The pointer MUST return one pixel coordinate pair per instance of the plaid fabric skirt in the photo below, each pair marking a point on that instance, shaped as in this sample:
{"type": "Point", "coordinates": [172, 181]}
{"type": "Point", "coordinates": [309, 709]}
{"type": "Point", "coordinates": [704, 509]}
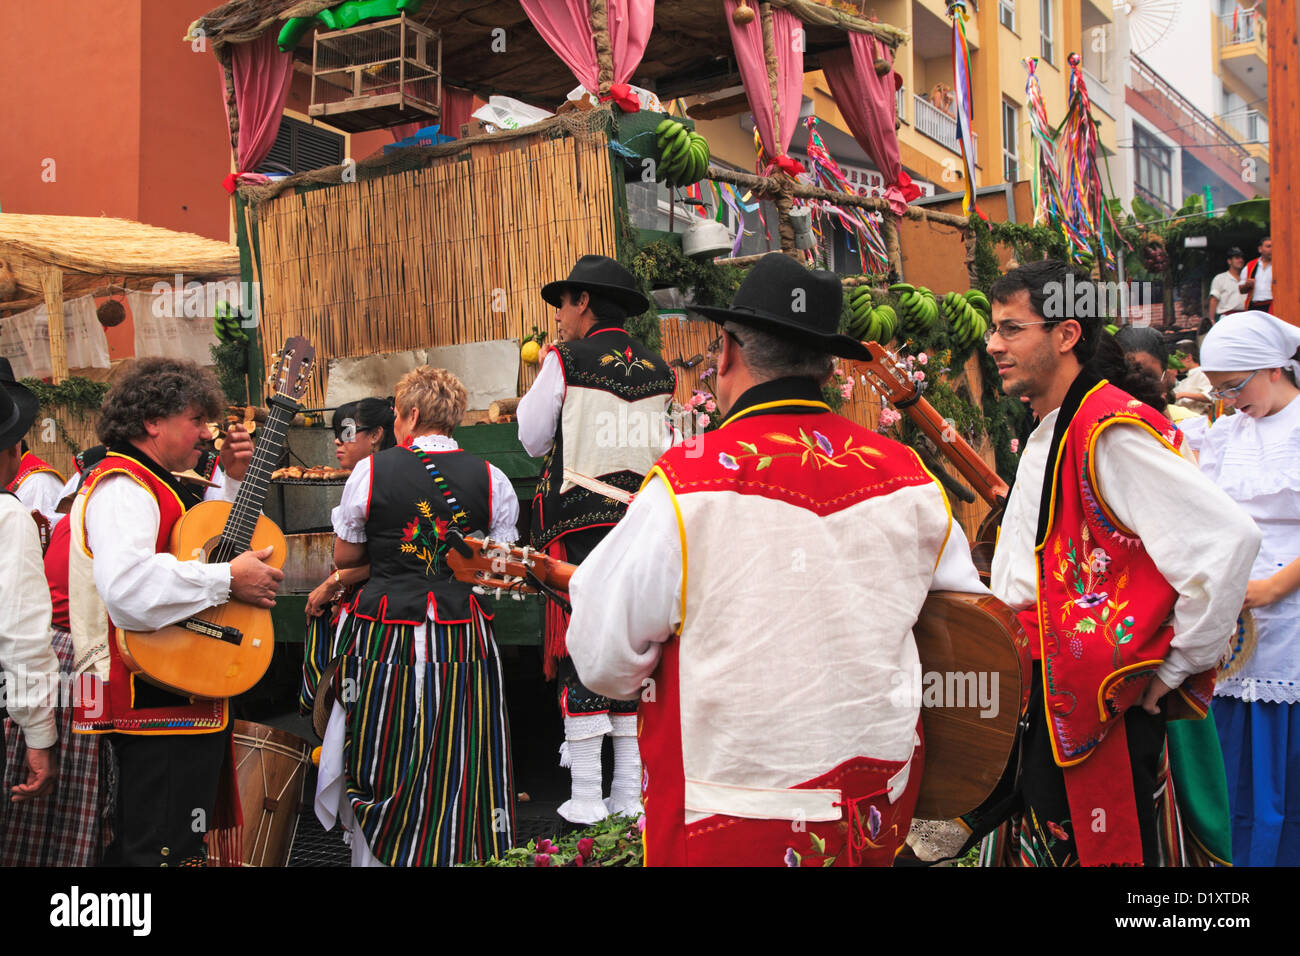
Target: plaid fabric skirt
{"type": "Point", "coordinates": [427, 749]}
{"type": "Point", "coordinates": [72, 825]}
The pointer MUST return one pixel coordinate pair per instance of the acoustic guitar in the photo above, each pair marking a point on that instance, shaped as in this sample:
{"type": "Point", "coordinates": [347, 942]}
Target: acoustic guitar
{"type": "Point", "coordinates": [974, 662]}
{"type": "Point", "coordinates": [225, 650]}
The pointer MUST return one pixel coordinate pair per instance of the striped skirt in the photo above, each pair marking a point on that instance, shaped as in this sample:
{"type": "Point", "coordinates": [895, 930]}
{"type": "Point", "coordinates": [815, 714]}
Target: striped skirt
{"type": "Point", "coordinates": [427, 749]}
{"type": "Point", "coordinates": [71, 825]}
{"type": "Point", "coordinates": [320, 646]}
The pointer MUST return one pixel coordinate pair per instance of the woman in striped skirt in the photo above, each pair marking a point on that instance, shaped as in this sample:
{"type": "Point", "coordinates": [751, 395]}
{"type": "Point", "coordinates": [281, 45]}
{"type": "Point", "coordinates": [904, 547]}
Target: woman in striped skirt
{"type": "Point", "coordinates": [416, 759]}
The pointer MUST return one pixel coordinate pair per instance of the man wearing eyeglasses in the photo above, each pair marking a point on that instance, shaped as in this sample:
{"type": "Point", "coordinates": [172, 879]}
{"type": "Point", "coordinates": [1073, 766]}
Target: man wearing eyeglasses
{"type": "Point", "coordinates": [1126, 604]}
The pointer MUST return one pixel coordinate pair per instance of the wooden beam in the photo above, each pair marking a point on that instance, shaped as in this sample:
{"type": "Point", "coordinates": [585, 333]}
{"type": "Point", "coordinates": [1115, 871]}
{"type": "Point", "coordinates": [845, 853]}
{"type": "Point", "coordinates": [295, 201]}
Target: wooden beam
{"type": "Point", "coordinates": [1284, 132]}
{"type": "Point", "coordinates": [52, 286]}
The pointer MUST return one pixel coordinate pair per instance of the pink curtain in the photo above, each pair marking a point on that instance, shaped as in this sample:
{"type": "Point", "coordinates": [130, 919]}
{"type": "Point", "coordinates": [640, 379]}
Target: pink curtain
{"type": "Point", "coordinates": [866, 100]}
{"type": "Point", "coordinates": [262, 76]}
{"type": "Point", "coordinates": [747, 39]}
{"type": "Point", "coordinates": [566, 27]}
{"type": "Point", "coordinates": [457, 105]}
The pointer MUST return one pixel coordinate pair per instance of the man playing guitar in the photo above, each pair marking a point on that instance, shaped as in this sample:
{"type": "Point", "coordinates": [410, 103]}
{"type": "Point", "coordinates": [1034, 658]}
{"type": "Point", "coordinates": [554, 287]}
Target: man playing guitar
{"type": "Point", "coordinates": [152, 423]}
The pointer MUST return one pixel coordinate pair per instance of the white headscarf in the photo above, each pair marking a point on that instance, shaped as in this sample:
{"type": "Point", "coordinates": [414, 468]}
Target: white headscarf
{"type": "Point", "coordinates": [1246, 341]}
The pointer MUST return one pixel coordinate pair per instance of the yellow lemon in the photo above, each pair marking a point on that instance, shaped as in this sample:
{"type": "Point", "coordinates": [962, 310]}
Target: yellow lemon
{"type": "Point", "coordinates": [529, 353]}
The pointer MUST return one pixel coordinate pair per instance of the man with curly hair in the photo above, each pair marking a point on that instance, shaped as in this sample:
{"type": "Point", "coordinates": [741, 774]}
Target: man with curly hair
{"type": "Point", "coordinates": [170, 748]}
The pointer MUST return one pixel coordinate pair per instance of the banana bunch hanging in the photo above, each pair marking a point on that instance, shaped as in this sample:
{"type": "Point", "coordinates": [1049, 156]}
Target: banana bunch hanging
{"type": "Point", "coordinates": [683, 154]}
{"type": "Point", "coordinates": [226, 324]}
{"type": "Point", "coordinates": [919, 308]}
{"type": "Point", "coordinates": [968, 314]}
{"type": "Point", "coordinates": [870, 322]}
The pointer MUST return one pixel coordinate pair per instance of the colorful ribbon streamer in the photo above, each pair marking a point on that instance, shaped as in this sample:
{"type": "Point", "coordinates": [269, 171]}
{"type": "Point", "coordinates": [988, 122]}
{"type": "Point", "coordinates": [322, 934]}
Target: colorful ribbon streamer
{"type": "Point", "coordinates": [961, 85]}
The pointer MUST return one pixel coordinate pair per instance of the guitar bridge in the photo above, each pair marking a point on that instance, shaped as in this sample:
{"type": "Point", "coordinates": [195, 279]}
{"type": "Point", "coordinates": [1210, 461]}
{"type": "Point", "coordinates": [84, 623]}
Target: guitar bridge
{"type": "Point", "coordinates": [220, 632]}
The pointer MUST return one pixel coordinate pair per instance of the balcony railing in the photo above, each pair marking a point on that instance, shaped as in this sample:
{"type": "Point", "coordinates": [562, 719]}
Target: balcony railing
{"type": "Point", "coordinates": [1249, 28]}
{"type": "Point", "coordinates": [1203, 132]}
{"type": "Point", "coordinates": [940, 127]}
{"type": "Point", "coordinates": [1251, 126]}
{"type": "Point", "coordinates": [900, 100]}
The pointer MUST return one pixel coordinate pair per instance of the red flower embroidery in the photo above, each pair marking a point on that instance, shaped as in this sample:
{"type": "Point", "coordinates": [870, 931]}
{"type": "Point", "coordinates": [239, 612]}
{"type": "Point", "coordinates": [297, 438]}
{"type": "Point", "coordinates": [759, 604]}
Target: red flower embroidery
{"type": "Point", "coordinates": [440, 528]}
{"type": "Point", "coordinates": [627, 354]}
{"type": "Point", "coordinates": [411, 530]}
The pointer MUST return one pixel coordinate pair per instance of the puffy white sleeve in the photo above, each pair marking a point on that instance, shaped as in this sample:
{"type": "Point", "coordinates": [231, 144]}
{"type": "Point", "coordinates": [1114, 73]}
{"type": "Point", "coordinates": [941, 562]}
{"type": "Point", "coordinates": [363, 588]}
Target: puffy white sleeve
{"type": "Point", "coordinates": [627, 597]}
{"type": "Point", "coordinates": [42, 492]}
{"type": "Point", "coordinates": [956, 571]}
{"type": "Point", "coordinates": [1206, 560]}
{"type": "Point", "coordinates": [223, 488]}
{"type": "Point", "coordinates": [539, 411]}
{"type": "Point", "coordinates": [349, 518]}
{"type": "Point", "coordinates": [31, 669]}
{"type": "Point", "coordinates": [142, 589]}
{"type": "Point", "coordinates": [505, 506]}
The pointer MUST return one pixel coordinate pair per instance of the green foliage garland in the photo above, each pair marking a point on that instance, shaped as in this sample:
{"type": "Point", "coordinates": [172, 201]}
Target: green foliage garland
{"type": "Point", "coordinates": [80, 397]}
{"type": "Point", "coordinates": [659, 265]}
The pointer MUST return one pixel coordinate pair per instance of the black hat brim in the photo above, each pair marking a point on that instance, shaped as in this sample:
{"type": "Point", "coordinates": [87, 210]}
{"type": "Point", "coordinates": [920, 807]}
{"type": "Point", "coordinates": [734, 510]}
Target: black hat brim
{"type": "Point", "coordinates": [631, 301]}
{"type": "Point", "coordinates": [26, 407]}
{"type": "Point", "coordinates": [841, 346]}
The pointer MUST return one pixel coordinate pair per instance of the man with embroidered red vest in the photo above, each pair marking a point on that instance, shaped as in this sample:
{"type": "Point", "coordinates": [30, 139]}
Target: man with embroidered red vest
{"type": "Point", "coordinates": [1128, 607]}
{"type": "Point", "coordinates": [760, 596]}
{"type": "Point", "coordinates": [597, 410]}
{"type": "Point", "coordinates": [37, 483]}
{"type": "Point", "coordinates": [172, 750]}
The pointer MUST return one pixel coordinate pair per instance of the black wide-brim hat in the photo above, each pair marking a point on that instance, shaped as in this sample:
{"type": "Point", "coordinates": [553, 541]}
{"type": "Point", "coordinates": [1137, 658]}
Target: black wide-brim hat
{"type": "Point", "coordinates": [18, 407]}
{"type": "Point", "coordinates": [603, 276]}
{"type": "Point", "coordinates": [785, 299]}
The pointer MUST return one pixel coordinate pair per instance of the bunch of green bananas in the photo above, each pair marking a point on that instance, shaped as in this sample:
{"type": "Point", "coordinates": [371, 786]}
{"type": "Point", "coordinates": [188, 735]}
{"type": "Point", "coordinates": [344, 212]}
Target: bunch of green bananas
{"type": "Point", "coordinates": [683, 154]}
{"type": "Point", "coordinates": [919, 308]}
{"type": "Point", "coordinates": [226, 324]}
{"type": "Point", "coordinates": [870, 322]}
{"type": "Point", "coordinates": [968, 314]}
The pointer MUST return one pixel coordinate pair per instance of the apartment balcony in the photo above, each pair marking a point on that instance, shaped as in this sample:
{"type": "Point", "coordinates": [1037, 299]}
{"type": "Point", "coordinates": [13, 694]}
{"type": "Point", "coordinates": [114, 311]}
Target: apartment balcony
{"type": "Point", "coordinates": [1250, 129]}
{"type": "Point", "coordinates": [934, 123]}
{"type": "Point", "coordinates": [1243, 49]}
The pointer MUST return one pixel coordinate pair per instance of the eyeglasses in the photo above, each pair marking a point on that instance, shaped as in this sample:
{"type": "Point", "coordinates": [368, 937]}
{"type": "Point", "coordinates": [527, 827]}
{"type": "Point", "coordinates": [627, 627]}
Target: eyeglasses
{"type": "Point", "coordinates": [1009, 330]}
{"type": "Point", "coordinates": [1232, 391]}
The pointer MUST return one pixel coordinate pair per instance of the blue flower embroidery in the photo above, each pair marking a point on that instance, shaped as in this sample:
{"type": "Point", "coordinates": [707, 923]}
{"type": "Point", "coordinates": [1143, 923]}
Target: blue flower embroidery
{"type": "Point", "coordinates": [823, 442]}
{"type": "Point", "coordinates": [1092, 600]}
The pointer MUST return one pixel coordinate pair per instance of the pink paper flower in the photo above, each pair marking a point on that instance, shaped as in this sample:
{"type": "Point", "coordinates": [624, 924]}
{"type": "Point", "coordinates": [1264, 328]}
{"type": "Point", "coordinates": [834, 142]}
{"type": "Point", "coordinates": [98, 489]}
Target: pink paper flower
{"type": "Point", "coordinates": [710, 406]}
{"type": "Point", "coordinates": [1015, 446]}
{"type": "Point", "coordinates": [923, 359]}
{"type": "Point", "coordinates": [846, 390]}
{"type": "Point", "coordinates": [919, 376]}
{"type": "Point", "coordinates": [704, 421]}
{"type": "Point", "coordinates": [542, 859]}
{"type": "Point", "coordinates": [585, 847]}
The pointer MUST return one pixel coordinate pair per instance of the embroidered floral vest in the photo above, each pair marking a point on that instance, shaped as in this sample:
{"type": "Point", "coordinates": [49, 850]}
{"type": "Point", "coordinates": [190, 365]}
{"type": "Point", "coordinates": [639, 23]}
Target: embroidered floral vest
{"type": "Point", "coordinates": [130, 704]}
{"type": "Point", "coordinates": [1103, 607]}
{"type": "Point", "coordinates": [30, 465]}
{"type": "Point", "coordinates": [809, 544]}
{"type": "Point", "coordinates": [612, 424]}
{"type": "Point", "coordinates": [406, 529]}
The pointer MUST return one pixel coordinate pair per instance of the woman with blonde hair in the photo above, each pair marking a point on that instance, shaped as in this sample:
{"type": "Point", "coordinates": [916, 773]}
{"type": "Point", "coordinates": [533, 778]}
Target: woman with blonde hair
{"type": "Point", "coordinates": [416, 759]}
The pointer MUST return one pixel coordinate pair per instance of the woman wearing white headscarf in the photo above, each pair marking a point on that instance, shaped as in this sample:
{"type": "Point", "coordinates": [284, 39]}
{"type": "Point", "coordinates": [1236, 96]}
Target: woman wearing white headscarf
{"type": "Point", "coordinates": [1252, 360]}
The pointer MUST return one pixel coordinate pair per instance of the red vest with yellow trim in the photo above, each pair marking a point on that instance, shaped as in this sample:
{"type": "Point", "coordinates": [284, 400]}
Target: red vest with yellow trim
{"type": "Point", "coordinates": [1104, 608]}
{"type": "Point", "coordinates": [30, 465]}
{"type": "Point", "coordinates": [130, 704]}
{"type": "Point", "coordinates": [829, 637]}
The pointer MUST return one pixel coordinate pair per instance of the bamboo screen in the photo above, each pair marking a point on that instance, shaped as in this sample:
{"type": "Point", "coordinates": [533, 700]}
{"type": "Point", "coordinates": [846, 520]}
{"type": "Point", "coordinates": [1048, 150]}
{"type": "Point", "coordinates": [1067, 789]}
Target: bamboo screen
{"type": "Point", "coordinates": [453, 253]}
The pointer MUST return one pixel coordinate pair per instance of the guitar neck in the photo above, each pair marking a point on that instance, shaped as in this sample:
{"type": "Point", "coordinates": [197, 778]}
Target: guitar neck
{"type": "Point", "coordinates": [237, 536]}
{"type": "Point", "coordinates": [964, 458]}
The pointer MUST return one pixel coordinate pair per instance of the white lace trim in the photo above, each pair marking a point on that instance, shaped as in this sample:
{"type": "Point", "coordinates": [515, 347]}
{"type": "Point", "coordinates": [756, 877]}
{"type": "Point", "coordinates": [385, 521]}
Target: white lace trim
{"type": "Point", "coordinates": [1250, 689]}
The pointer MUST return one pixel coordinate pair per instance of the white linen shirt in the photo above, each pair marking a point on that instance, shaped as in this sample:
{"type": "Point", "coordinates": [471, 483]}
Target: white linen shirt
{"type": "Point", "coordinates": [42, 492]}
{"type": "Point", "coordinates": [143, 589]}
{"type": "Point", "coordinates": [349, 518]}
{"type": "Point", "coordinates": [627, 594]}
{"type": "Point", "coordinates": [1202, 543]}
{"type": "Point", "coordinates": [31, 669]}
{"type": "Point", "coordinates": [1228, 291]}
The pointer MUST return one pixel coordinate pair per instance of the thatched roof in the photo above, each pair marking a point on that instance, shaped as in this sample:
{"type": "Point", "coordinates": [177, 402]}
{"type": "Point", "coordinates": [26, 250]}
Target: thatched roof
{"type": "Point", "coordinates": [689, 50]}
{"type": "Point", "coordinates": [91, 251]}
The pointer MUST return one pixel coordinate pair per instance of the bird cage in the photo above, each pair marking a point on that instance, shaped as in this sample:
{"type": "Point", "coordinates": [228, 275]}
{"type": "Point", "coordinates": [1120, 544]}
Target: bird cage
{"type": "Point", "coordinates": [377, 75]}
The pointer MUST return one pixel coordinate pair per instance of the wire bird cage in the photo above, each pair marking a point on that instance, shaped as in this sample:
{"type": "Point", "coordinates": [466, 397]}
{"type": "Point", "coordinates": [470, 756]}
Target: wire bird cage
{"type": "Point", "coordinates": [377, 75]}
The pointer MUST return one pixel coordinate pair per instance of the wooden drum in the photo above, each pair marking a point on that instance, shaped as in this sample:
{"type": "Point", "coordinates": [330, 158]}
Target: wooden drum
{"type": "Point", "coordinates": [272, 769]}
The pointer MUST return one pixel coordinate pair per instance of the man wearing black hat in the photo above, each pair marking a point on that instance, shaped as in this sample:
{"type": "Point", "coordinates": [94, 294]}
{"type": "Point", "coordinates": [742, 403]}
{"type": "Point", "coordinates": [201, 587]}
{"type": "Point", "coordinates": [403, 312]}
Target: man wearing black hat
{"type": "Point", "coordinates": [31, 670]}
{"type": "Point", "coordinates": [597, 410]}
{"type": "Point", "coordinates": [759, 597]}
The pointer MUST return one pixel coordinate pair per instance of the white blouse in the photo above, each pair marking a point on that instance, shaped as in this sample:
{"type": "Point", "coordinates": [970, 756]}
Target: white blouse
{"type": "Point", "coordinates": [349, 518]}
{"type": "Point", "coordinates": [1257, 462]}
